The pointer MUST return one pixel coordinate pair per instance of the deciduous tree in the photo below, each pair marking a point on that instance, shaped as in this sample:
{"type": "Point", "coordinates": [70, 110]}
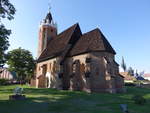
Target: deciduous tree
{"type": "Point", "coordinates": [131, 71]}
{"type": "Point", "coordinates": [21, 61]}
{"type": "Point", "coordinates": [7, 11]}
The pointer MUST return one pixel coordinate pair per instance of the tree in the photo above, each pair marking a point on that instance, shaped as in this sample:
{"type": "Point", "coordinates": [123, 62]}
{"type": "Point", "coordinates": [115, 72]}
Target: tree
{"type": "Point", "coordinates": [123, 64]}
{"type": "Point", "coordinates": [139, 76]}
{"type": "Point", "coordinates": [4, 43]}
{"type": "Point", "coordinates": [141, 73]}
{"type": "Point", "coordinates": [21, 61]}
{"type": "Point", "coordinates": [7, 11]}
{"type": "Point", "coordinates": [131, 71]}
{"type": "Point", "coordinates": [136, 73]}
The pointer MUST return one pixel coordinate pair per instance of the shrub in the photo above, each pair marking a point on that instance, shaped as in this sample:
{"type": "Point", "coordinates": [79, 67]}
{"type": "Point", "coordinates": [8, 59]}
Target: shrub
{"type": "Point", "coordinates": [3, 81]}
{"type": "Point", "coordinates": [138, 99]}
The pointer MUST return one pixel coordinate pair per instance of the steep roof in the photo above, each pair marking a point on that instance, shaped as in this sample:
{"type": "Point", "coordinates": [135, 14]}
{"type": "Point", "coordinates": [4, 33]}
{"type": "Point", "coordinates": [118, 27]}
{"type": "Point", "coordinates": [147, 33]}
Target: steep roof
{"type": "Point", "coordinates": [48, 17]}
{"type": "Point", "coordinates": [127, 76]}
{"type": "Point", "coordinates": [92, 41]}
{"type": "Point", "coordinates": [71, 42]}
{"type": "Point", "coordinates": [60, 43]}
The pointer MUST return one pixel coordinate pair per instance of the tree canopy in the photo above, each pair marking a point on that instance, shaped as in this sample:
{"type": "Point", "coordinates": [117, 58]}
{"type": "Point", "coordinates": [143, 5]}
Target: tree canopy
{"type": "Point", "coordinates": [21, 61]}
{"type": "Point", "coordinates": [131, 71]}
{"type": "Point", "coordinates": [4, 43]}
{"type": "Point", "coordinates": [7, 11]}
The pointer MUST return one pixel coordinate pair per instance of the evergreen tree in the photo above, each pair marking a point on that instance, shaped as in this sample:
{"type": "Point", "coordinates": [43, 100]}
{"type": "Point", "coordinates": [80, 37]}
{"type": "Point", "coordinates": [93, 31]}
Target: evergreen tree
{"type": "Point", "coordinates": [123, 65]}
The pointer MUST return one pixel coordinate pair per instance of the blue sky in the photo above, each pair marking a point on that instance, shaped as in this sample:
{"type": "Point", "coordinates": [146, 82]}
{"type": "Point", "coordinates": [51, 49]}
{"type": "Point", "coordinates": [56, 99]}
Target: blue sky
{"type": "Point", "coordinates": [125, 23]}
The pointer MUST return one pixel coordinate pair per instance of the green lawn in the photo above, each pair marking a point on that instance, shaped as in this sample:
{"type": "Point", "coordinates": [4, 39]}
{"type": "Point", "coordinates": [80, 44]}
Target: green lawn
{"type": "Point", "coordinates": [54, 101]}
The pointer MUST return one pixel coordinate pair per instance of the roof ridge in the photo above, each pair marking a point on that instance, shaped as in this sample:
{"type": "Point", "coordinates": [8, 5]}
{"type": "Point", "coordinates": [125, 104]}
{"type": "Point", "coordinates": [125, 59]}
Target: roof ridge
{"type": "Point", "coordinates": [106, 43]}
{"type": "Point", "coordinates": [74, 25]}
{"type": "Point", "coordinates": [91, 31]}
{"type": "Point", "coordinates": [93, 40]}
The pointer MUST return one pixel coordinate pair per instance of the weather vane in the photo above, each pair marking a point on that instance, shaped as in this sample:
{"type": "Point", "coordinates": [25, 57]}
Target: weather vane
{"type": "Point", "coordinates": [49, 5]}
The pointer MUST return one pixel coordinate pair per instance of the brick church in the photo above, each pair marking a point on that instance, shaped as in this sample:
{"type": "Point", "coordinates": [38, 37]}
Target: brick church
{"type": "Point", "coordinates": [72, 60]}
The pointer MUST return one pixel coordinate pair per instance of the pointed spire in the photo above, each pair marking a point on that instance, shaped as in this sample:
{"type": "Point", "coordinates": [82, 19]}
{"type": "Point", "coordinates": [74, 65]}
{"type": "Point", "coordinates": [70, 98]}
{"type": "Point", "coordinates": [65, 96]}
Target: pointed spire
{"type": "Point", "coordinates": [48, 18]}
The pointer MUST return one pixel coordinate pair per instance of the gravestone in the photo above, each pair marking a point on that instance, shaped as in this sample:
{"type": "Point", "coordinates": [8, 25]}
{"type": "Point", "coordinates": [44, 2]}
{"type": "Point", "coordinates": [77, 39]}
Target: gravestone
{"type": "Point", "coordinates": [124, 108]}
{"type": "Point", "coordinates": [17, 94]}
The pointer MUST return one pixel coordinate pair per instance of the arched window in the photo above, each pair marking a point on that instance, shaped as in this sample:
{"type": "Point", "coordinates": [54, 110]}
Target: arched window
{"type": "Point", "coordinates": [74, 66]}
{"type": "Point", "coordinates": [44, 69]}
{"type": "Point", "coordinates": [88, 67]}
{"type": "Point", "coordinates": [88, 60]}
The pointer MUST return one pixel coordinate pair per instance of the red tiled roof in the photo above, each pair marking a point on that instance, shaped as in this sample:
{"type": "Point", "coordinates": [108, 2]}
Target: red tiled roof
{"type": "Point", "coordinates": [59, 44]}
{"type": "Point", "coordinates": [147, 75]}
{"type": "Point", "coordinates": [127, 76]}
{"type": "Point", "coordinates": [92, 41]}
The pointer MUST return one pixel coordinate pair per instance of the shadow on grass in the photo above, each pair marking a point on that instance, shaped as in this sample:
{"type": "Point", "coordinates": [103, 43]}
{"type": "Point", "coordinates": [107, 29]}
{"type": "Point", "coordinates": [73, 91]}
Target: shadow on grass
{"type": "Point", "coordinates": [131, 91]}
{"type": "Point", "coordinates": [66, 104]}
{"type": "Point", "coordinates": [56, 101]}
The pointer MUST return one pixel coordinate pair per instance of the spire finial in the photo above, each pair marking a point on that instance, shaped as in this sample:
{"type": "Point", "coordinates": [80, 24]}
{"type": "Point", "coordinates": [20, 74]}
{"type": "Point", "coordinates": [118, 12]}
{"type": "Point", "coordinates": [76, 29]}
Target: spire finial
{"type": "Point", "coordinates": [49, 5]}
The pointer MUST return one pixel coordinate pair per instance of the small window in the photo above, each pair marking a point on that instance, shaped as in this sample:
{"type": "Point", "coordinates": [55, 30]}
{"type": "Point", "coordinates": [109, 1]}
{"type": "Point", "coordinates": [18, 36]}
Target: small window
{"type": "Point", "coordinates": [74, 66]}
{"type": "Point", "coordinates": [88, 60]}
{"type": "Point", "coordinates": [72, 75]}
{"type": "Point", "coordinates": [106, 60]}
{"type": "Point", "coordinates": [60, 75]}
{"type": "Point", "coordinates": [87, 74]}
{"type": "Point", "coordinates": [87, 71]}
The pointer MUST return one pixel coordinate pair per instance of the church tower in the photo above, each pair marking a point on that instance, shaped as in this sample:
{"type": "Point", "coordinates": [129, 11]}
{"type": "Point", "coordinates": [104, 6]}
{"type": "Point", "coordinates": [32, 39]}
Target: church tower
{"type": "Point", "coordinates": [47, 32]}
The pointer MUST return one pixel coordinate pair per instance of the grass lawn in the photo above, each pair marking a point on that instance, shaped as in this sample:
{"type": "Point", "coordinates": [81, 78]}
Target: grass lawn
{"type": "Point", "coordinates": [54, 101]}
